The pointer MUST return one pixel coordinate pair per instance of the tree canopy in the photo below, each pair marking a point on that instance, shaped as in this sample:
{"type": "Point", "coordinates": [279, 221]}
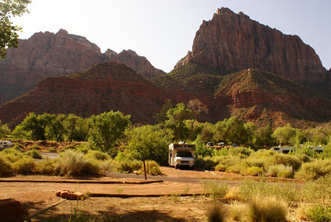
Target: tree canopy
{"type": "Point", "coordinates": [9, 31]}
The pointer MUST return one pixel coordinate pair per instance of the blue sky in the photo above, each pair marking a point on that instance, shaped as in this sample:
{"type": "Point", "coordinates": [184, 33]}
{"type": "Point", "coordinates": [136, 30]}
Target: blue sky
{"type": "Point", "coordinates": [163, 31]}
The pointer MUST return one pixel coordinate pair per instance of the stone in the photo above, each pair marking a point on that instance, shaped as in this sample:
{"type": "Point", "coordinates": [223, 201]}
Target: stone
{"type": "Point", "coordinates": [11, 210]}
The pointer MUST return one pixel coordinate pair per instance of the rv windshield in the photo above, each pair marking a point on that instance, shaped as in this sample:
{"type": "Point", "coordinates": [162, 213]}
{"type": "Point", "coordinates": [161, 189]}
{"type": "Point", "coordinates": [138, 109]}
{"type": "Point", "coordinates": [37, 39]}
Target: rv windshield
{"type": "Point", "coordinates": [184, 154]}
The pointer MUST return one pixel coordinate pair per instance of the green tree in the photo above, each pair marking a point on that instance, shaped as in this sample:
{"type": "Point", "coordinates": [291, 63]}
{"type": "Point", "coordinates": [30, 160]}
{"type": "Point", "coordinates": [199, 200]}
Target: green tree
{"type": "Point", "coordinates": [9, 31]}
{"type": "Point", "coordinates": [4, 130]}
{"type": "Point", "coordinates": [55, 129]}
{"type": "Point", "coordinates": [149, 143]}
{"type": "Point", "coordinates": [285, 134]}
{"type": "Point", "coordinates": [106, 129]}
{"type": "Point", "coordinates": [76, 128]}
{"type": "Point", "coordinates": [34, 127]}
{"type": "Point", "coordinates": [176, 117]}
{"type": "Point", "coordinates": [231, 130]}
{"type": "Point", "coordinates": [262, 137]}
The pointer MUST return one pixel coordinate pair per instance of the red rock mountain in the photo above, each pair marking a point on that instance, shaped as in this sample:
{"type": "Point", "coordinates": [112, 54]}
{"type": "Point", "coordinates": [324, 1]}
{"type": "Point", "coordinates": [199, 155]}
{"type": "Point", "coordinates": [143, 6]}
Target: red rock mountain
{"type": "Point", "coordinates": [48, 54]}
{"type": "Point", "coordinates": [236, 42]}
{"type": "Point", "coordinates": [105, 86]}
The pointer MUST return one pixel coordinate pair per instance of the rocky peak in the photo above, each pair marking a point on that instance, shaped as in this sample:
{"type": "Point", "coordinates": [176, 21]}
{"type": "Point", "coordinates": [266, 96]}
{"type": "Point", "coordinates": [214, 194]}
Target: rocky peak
{"type": "Point", "coordinates": [235, 42]}
{"type": "Point", "coordinates": [48, 54]}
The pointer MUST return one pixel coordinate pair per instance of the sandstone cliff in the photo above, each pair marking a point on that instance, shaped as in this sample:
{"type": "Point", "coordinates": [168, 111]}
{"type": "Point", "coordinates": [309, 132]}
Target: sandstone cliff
{"type": "Point", "coordinates": [234, 42]}
{"type": "Point", "coordinates": [103, 87]}
{"type": "Point", "coordinates": [48, 54]}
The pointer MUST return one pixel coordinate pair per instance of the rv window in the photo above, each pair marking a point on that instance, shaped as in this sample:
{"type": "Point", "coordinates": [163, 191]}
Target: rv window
{"type": "Point", "coordinates": [184, 154]}
{"type": "Point", "coordinates": [276, 148]}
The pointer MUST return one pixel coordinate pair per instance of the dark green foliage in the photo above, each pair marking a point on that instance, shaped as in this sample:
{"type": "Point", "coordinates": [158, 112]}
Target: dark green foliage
{"type": "Point", "coordinates": [319, 213]}
{"type": "Point", "coordinates": [149, 143]}
{"type": "Point", "coordinates": [106, 129]}
{"type": "Point", "coordinates": [35, 154]}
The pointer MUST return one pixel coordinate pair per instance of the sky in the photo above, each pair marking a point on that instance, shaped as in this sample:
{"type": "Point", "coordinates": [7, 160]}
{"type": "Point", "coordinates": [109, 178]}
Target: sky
{"type": "Point", "coordinates": [163, 30]}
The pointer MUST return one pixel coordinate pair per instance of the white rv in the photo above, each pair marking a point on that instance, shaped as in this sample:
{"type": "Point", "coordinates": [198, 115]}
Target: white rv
{"type": "Point", "coordinates": [286, 149]}
{"type": "Point", "coordinates": [5, 144]}
{"type": "Point", "coordinates": [181, 154]}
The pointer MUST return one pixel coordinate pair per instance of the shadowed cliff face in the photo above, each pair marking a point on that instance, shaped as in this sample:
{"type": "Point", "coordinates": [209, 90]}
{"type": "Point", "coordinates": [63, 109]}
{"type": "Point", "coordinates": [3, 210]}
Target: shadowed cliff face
{"type": "Point", "coordinates": [47, 54]}
{"type": "Point", "coordinates": [235, 42]}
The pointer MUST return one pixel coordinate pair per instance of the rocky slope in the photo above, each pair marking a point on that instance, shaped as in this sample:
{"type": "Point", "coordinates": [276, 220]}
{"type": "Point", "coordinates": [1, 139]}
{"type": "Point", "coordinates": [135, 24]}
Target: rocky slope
{"type": "Point", "coordinates": [48, 54]}
{"type": "Point", "coordinates": [253, 95]}
{"type": "Point", "coordinates": [236, 42]}
{"type": "Point", "coordinates": [103, 87]}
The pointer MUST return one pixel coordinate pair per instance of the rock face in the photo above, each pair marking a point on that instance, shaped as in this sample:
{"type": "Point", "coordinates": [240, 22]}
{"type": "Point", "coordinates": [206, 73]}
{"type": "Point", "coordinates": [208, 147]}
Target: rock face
{"type": "Point", "coordinates": [47, 54]}
{"type": "Point", "coordinates": [235, 42]}
{"type": "Point", "coordinates": [104, 87]}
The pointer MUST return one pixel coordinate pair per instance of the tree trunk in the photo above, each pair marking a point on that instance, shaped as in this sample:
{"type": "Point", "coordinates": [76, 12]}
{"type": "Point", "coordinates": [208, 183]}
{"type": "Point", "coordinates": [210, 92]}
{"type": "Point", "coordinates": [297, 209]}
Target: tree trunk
{"type": "Point", "coordinates": [145, 169]}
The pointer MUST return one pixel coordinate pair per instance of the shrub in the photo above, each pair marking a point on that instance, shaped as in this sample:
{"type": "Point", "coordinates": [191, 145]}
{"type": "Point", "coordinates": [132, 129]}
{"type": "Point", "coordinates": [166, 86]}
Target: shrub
{"type": "Point", "coordinates": [215, 189]}
{"type": "Point", "coordinates": [45, 167]}
{"type": "Point", "coordinates": [251, 171]}
{"type": "Point", "coordinates": [246, 152]}
{"type": "Point", "coordinates": [71, 163]}
{"type": "Point", "coordinates": [266, 209]}
{"type": "Point", "coordinates": [314, 170]}
{"type": "Point", "coordinates": [6, 167]}
{"type": "Point", "coordinates": [287, 160]}
{"type": "Point", "coordinates": [152, 168]}
{"type": "Point", "coordinates": [198, 162]}
{"type": "Point", "coordinates": [319, 213]}
{"type": "Point", "coordinates": [208, 163]}
{"type": "Point", "coordinates": [107, 166]}
{"type": "Point", "coordinates": [275, 169]}
{"type": "Point", "coordinates": [18, 146]}
{"type": "Point", "coordinates": [25, 165]}
{"type": "Point", "coordinates": [285, 174]}
{"type": "Point", "coordinates": [35, 154]}
{"type": "Point", "coordinates": [97, 155]}
{"type": "Point", "coordinates": [216, 212]}
{"type": "Point", "coordinates": [35, 147]}
{"type": "Point", "coordinates": [220, 167]}
{"type": "Point", "coordinates": [234, 169]}
{"type": "Point", "coordinates": [128, 166]}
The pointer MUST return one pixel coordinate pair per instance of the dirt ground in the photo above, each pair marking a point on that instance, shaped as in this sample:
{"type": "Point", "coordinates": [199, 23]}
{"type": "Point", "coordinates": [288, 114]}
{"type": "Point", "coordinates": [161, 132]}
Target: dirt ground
{"type": "Point", "coordinates": [36, 196]}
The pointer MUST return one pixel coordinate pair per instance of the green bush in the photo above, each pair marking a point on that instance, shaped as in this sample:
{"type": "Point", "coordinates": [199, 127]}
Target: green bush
{"type": "Point", "coordinates": [25, 165]}
{"type": "Point", "coordinates": [71, 163]}
{"type": "Point", "coordinates": [109, 165]}
{"type": "Point", "coordinates": [35, 154]}
{"type": "Point", "coordinates": [152, 168]}
{"type": "Point", "coordinates": [275, 169]}
{"type": "Point", "coordinates": [220, 167]}
{"type": "Point", "coordinates": [314, 170]}
{"type": "Point", "coordinates": [318, 213]}
{"type": "Point", "coordinates": [198, 162]}
{"type": "Point", "coordinates": [287, 160]}
{"type": "Point", "coordinates": [35, 147]}
{"type": "Point", "coordinates": [45, 167]}
{"type": "Point", "coordinates": [236, 151]}
{"type": "Point", "coordinates": [97, 155]}
{"type": "Point", "coordinates": [6, 167]}
{"type": "Point", "coordinates": [266, 209]}
{"type": "Point", "coordinates": [251, 171]}
{"type": "Point", "coordinates": [234, 169]}
{"type": "Point", "coordinates": [285, 174]}
{"type": "Point", "coordinates": [128, 166]}
{"type": "Point", "coordinates": [18, 146]}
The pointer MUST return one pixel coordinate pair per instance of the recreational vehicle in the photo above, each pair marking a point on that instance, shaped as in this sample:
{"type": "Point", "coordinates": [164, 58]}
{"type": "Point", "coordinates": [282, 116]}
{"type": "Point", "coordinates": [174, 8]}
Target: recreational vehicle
{"type": "Point", "coordinates": [181, 155]}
